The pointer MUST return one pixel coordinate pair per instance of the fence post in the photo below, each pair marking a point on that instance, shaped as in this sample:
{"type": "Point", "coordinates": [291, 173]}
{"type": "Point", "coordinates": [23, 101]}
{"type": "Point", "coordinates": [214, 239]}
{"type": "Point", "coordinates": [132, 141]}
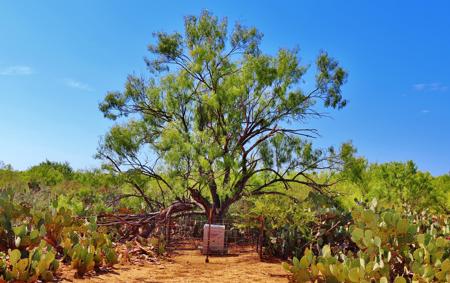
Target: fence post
{"type": "Point", "coordinates": [209, 234]}
{"type": "Point", "coordinates": [169, 219]}
{"type": "Point", "coordinates": [261, 236]}
{"type": "Point", "coordinates": [257, 241]}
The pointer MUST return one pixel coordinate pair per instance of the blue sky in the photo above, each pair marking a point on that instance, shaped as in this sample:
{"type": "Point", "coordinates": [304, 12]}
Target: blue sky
{"type": "Point", "coordinates": [59, 58]}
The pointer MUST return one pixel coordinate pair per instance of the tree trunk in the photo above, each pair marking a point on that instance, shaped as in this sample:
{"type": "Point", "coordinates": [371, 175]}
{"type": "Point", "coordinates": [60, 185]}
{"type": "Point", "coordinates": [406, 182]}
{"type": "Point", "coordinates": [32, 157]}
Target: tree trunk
{"type": "Point", "coordinates": [218, 214]}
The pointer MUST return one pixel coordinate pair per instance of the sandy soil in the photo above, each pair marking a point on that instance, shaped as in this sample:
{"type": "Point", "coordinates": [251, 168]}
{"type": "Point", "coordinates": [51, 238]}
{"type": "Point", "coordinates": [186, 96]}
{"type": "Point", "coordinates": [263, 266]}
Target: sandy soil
{"type": "Point", "coordinates": [241, 265]}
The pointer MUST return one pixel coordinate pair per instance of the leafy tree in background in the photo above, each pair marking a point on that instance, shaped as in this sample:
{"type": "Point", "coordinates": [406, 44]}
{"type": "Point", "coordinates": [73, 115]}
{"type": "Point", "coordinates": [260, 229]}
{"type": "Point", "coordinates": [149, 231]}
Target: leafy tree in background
{"type": "Point", "coordinates": [50, 173]}
{"type": "Point", "coordinates": [9, 178]}
{"type": "Point", "coordinates": [395, 184]}
{"type": "Point", "coordinates": [218, 119]}
{"type": "Point", "coordinates": [442, 189]}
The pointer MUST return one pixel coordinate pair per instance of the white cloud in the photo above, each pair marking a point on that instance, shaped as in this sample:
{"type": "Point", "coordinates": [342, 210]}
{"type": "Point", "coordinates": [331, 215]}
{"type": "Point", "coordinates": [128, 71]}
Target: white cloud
{"type": "Point", "coordinates": [16, 71]}
{"type": "Point", "coordinates": [425, 111]}
{"type": "Point", "coordinates": [435, 87]}
{"type": "Point", "coordinates": [78, 85]}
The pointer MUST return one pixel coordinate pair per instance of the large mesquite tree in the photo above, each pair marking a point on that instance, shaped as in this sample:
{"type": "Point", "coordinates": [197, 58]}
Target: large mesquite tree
{"type": "Point", "coordinates": [217, 119]}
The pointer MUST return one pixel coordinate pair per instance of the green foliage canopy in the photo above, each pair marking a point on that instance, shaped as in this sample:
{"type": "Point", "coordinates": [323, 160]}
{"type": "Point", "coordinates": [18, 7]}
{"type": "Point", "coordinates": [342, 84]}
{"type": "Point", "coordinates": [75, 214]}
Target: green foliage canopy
{"type": "Point", "coordinates": [218, 119]}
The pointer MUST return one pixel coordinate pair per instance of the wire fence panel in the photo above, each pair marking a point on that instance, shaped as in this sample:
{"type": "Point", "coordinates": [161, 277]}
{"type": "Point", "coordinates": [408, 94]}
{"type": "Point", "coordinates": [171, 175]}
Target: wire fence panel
{"type": "Point", "coordinates": [187, 232]}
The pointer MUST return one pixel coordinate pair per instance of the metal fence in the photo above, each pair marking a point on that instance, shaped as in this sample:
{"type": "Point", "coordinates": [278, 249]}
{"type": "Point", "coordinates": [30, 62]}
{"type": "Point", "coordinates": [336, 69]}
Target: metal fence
{"type": "Point", "coordinates": [187, 232]}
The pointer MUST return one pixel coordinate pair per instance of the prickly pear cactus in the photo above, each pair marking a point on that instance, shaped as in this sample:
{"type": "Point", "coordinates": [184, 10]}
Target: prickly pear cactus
{"type": "Point", "coordinates": [392, 248]}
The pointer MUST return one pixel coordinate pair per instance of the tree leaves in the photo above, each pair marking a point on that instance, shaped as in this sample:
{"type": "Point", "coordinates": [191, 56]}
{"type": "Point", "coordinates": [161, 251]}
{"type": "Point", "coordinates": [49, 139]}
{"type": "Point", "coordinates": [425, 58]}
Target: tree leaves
{"type": "Point", "coordinates": [216, 108]}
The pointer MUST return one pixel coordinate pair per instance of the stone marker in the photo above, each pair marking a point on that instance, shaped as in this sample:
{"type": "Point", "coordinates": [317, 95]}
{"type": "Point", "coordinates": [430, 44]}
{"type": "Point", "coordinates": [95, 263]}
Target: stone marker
{"type": "Point", "coordinates": [216, 240]}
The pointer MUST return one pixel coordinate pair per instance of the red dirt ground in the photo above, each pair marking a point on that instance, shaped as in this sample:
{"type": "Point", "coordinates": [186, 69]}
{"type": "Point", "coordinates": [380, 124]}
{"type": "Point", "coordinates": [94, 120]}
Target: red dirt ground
{"type": "Point", "coordinates": [241, 265]}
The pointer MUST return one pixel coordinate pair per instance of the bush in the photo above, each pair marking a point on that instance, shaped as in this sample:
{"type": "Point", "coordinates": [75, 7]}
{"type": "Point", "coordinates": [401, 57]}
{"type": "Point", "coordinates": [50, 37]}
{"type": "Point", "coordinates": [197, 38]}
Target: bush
{"type": "Point", "coordinates": [393, 247]}
{"type": "Point", "coordinates": [31, 241]}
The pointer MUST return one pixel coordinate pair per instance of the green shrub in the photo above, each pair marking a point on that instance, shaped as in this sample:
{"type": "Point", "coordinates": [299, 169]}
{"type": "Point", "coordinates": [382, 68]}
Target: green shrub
{"type": "Point", "coordinates": [88, 249]}
{"type": "Point", "coordinates": [40, 263]}
{"type": "Point", "coordinates": [392, 247]}
{"type": "Point", "coordinates": [30, 240]}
